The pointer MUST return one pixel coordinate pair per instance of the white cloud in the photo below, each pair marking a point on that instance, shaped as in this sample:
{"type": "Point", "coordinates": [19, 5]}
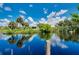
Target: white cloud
{"type": "Point", "coordinates": [55, 20]}
{"type": "Point", "coordinates": [10, 16]}
{"type": "Point", "coordinates": [54, 17]}
{"type": "Point", "coordinates": [1, 5]}
{"type": "Point", "coordinates": [52, 21]}
{"type": "Point", "coordinates": [22, 12]}
{"type": "Point", "coordinates": [32, 22]}
{"type": "Point", "coordinates": [43, 20]}
{"type": "Point", "coordinates": [30, 19]}
{"type": "Point", "coordinates": [4, 22]}
{"type": "Point", "coordinates": [52, 14]}
{"type": "Point", "coordinates": [45, 10]}
{"type": "Point", "coordinates": [26, 20]}
{"type": "Point", "coordinates": [61, 18]}
{"type": "Point", "coordinates": [22, 16]}
{"type": "Point", "coordinates": [55, 14]}
{"type": "Point", "coordinates": [7, 9]}
{"type": "Point", "coordinates": [61, 12]}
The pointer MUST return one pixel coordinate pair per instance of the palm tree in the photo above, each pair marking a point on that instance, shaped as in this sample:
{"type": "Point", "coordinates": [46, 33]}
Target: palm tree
{"type": "Point", "coordinates": [19, 20]}
{"type": "Point", "coordinates": [12, 25]}
{"type": "Point", "coordinates": [25, 24]}
{"type": "Point", "coordinates": [75, 22]}
{"type": "Point", "coordinates": [75, 17]}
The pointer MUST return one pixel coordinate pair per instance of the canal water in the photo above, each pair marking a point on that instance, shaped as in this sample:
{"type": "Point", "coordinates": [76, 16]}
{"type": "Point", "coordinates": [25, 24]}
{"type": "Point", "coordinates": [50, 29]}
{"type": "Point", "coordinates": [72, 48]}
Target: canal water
{"type": "Point", "coordinates": [25, 44]}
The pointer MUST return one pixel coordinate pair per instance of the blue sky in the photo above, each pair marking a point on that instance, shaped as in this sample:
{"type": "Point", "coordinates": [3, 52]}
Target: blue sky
{"type": "Point", "coordinates": [35, 10]}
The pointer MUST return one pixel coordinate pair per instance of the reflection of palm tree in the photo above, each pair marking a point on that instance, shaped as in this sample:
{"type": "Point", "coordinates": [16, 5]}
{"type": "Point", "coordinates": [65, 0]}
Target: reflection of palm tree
{"type": "Point", "coordinates": [12, 40]}
{"type": "Point", "coordinates": [22, 40]}
{"type": "Point", "coordinates": [48, 42]}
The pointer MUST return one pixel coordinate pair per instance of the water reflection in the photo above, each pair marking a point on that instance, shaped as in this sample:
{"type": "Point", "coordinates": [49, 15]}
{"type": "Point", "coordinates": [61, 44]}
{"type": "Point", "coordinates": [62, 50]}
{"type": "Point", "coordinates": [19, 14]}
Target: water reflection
{"type": "Point", "coordinates": [4, 37]}
{"type": "Point", "coordinates": [56, 41]}
{"type": "Point", "coordinates": [69, 37]}
{"type": "Point", "coordinates": [23, 41]}
{"type": "Point", "coordinates": [12, 40]}
{"type": "Point", "coordinates": [45, 36]}
{"type": "Point", "coordinates": [19, 42]}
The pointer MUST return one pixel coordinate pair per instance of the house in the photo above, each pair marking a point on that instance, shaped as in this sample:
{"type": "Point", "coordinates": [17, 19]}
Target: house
{"type": "Point", "coordinates": [19, 25]}
{"type": "Point", "coordinates": [34, 26]}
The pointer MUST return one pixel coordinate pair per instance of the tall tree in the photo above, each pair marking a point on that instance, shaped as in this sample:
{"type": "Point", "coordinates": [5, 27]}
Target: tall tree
{"type": "Point", "coordinates": [45, 28]}
{"type": "Point", "coordinates": [12, 25]}
{"type": "Point", "coordinates": [25, 24]}
{"type": "Point", "coordinates": [75, 17]}
{"type": "Point", "coordinates": [20, 20]}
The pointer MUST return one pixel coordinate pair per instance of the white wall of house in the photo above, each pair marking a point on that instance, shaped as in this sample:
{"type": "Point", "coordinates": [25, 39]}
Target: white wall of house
{"type": "Point", "coordinates": [19, 25]}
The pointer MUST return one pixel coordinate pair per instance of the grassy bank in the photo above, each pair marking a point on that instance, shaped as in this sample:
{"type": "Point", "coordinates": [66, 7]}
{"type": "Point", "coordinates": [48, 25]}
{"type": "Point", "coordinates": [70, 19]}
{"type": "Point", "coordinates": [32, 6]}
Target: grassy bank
{"type": "Point", "coordinates": [18, 31]}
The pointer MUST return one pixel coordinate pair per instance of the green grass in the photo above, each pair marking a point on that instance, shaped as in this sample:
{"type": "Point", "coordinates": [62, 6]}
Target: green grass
{"type": "Point", "coordinates": [17, 31]}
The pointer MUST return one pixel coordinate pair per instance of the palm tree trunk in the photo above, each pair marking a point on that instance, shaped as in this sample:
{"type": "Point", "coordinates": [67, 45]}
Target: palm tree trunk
{"type": "Point", "coordinates": [48, 47]}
